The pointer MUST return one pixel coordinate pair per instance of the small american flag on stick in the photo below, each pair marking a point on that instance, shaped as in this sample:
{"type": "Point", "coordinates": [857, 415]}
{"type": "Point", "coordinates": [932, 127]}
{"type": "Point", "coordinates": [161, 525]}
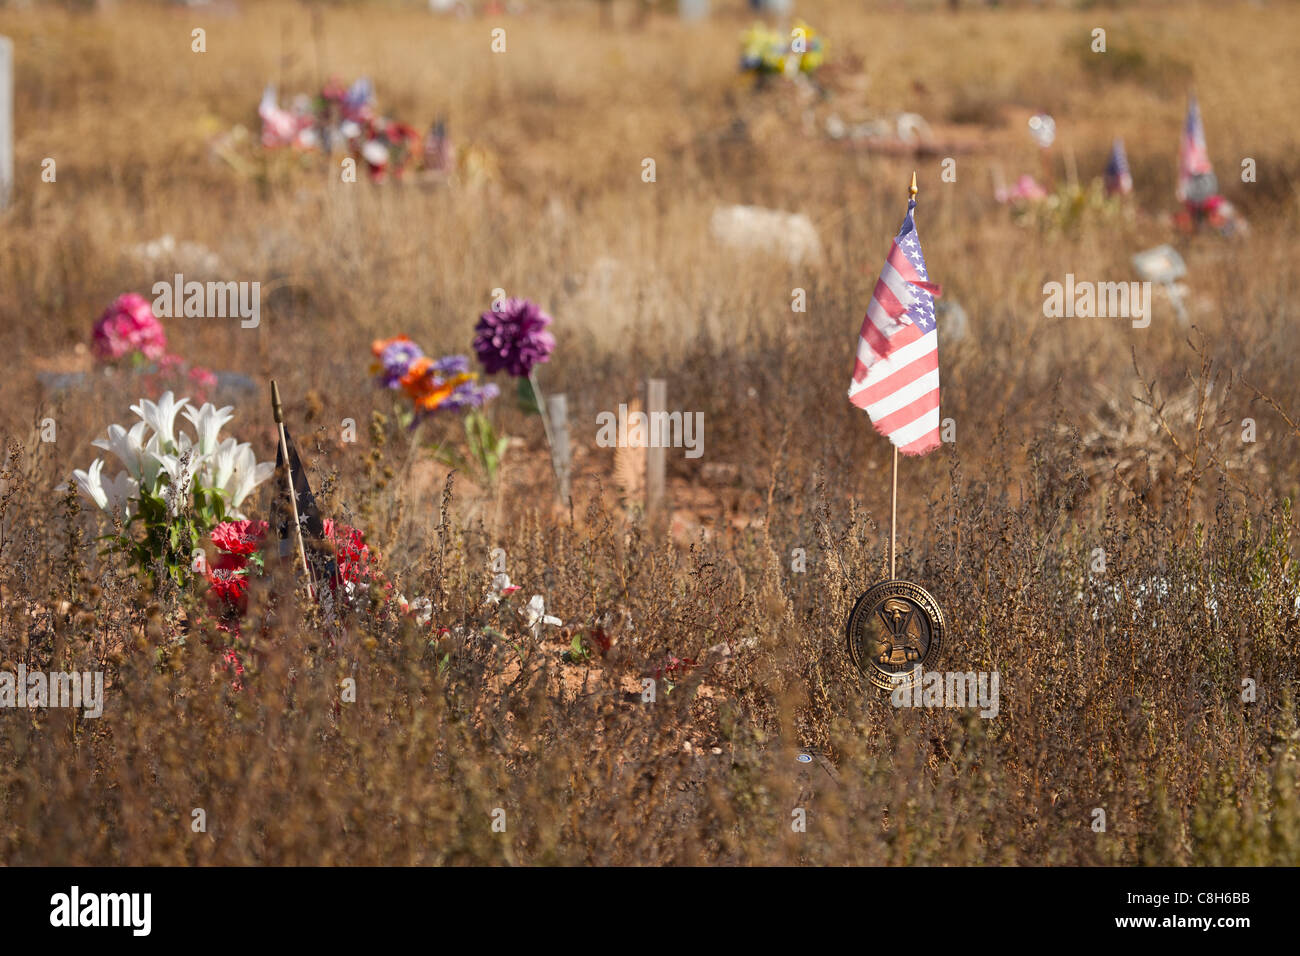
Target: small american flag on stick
{"type": "Point", "coordinates": [1193, 158]}
{"type": "Point", "coordinates": [1119, 178]}
{"type": "Point", "coordinates": [896, 374]}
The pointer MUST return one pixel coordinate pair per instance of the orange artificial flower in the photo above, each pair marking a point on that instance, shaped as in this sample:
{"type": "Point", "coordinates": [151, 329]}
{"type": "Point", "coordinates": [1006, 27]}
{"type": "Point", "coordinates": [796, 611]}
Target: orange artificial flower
{"type": "Point", "coordinates": [428, 391]}
{"type": "Point", "coordinates": [378, 345]}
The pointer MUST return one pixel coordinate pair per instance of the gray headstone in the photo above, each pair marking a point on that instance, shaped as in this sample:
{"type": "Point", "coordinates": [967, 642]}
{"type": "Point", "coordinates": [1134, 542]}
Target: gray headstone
{"type": "Point", "coordinates": [692, 9]}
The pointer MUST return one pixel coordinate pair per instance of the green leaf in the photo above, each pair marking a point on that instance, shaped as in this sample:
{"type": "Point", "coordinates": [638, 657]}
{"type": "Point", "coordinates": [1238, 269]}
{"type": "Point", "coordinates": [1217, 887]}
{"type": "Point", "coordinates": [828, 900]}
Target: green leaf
{"type": "Point", "coordinates": [577, 651]}
{"type": "Point", "coordinates": [527, 397]}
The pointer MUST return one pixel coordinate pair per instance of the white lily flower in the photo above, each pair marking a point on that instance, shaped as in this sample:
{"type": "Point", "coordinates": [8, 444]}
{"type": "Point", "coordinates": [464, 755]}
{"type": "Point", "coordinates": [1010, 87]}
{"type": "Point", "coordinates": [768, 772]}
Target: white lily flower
{"type": "Point", "coordinates": [151, 464]}
{"type": "Point", "coordinates": [128, 446]}
{"type": "Point", "coordinates": [89, 484]}
{"type": "Point", "coordinates": [220, 465]}
{"type": "Point", "coordinates": [247, 475]}
{"type": "Point", "coordinates": [161, 417]}
{"type": "Point", "coordinates": [207, 422]}
{"type": "Point", "coordinates": [171, 463]}
{"type": "Point", "coordinates": [535, 615]}
{"type": "Point", "coordinates": [121, 491]}
{"type": "Point", "coordinates": [180, 472]}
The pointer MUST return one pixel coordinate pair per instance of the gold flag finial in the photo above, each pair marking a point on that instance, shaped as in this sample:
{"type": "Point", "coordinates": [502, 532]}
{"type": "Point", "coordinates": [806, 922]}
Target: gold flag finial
{"type": "Point", "coordinates": [911, 190]}
{"type": "Point", "coordinates": [276, 408]}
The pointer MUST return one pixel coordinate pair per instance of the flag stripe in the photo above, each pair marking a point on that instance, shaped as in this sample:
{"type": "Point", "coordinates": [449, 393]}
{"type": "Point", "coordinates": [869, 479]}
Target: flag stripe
{"type": "Point", "coordinates": [878, 315]}
{"type": "Point", "coordinates": [918, 428]}
{"type": "Point", "coordinates": [926, 443]}
{"type": "Point", "coordinates": [896, 370]}
{"type": "Point", "coordinates": [892, 291]}
{"type": "Point", "coordinates": [887, 424]}
{"type": "Point", "coordinates": [904, 397]}
{"type": "Point", "coordinates": [896, 366]}
{"type": "Point", "coordinates": [898, 262]}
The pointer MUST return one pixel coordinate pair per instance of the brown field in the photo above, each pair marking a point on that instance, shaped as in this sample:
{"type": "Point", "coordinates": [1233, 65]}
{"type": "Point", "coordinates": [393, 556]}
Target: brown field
{"type": "Point", "coordinates": [1120, 689]}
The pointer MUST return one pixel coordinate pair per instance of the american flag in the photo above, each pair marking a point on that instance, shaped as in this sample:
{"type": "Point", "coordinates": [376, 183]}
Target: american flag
{"type": "Point", "coordinates": [1119, 180]}
{"type": "Point", "coordinates": [896, 375]}
{"type": "Point", "coordinates": [1193, 159]}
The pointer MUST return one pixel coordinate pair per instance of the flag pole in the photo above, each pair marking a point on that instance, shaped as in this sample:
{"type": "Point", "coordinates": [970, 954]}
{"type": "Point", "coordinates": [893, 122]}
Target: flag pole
{"type": "Point", "coordinates": [893, 504]}
{"type": "Point", "coordinates": [278, 411]}
{"type": "Point", "coordinates": [893, 517]}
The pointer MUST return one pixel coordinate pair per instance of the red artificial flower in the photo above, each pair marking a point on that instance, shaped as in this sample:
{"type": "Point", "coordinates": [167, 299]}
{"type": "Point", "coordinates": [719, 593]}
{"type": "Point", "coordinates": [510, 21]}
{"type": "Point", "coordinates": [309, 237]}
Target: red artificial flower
{"type": "Point", "coordinates": [350, 550]}
{"type": "Point", "coordinates": [228, 583]}
{"type": "Point", "coordinates": [233, 665]}
{"type": "Point", "coordinates": [239, 537]}
{"type": "Point", "coordinates": [228, 579]}
{"type": "Point", "coordinates": [674, 667]}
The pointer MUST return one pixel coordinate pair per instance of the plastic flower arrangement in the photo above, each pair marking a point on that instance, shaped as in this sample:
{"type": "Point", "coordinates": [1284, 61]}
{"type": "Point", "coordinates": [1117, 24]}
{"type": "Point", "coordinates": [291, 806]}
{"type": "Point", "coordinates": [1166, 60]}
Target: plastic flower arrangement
{"type": "Point", "coordinates": [432, 385]}
{"type": "Point", "coordinates": [765, 52]}
{"type": "Point", "coordinates": [240, 546]}
{"type": "Point", "coordinates": [128, 329]}
{"type": "Point", "coordinates": [443, 385]}
{"type": "Point", "coordinates": [514, 337]}
{"type": "Point", "coordinates": [174, 486]}
{"type": "Point", "coordinates": [762, 50]}
{"type": "Point", "coordinates": [344, 119]}
{"type": "Point", "coordinates": [129, 332]}
{"type": "Point", "coordinates": [1066, 208]}
{"type": "Point", "coordinates": [1025, 190]}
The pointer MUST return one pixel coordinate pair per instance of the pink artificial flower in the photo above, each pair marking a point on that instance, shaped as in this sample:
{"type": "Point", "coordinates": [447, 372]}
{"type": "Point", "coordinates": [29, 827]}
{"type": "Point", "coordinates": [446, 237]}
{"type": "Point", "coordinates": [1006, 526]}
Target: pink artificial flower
{"type": "Point", "coordinates": [280, 127]}
{"type": "Point", "coordinates": [203, 377]}
{"type": "Point", "coordinates": [128, 326]}
{"type": "Point", "coordinates": [1026, 188]}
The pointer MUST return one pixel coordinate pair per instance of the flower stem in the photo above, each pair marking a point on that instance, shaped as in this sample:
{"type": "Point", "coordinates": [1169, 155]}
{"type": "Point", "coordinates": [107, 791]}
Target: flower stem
{"type": "Point", "coordinates": [546, 423]}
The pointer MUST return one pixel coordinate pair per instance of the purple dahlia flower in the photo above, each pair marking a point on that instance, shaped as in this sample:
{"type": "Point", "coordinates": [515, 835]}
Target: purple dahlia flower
{"type": "Point", "coordinates": [514, 339]}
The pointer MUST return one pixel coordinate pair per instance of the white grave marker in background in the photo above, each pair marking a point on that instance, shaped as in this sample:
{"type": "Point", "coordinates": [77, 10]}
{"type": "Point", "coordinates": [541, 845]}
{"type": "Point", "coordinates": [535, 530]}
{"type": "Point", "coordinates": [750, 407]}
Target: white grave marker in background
{"type": "Point", "coordinates": [6, 121]}
{"type": "Point", "coordinates": [1164, 265]}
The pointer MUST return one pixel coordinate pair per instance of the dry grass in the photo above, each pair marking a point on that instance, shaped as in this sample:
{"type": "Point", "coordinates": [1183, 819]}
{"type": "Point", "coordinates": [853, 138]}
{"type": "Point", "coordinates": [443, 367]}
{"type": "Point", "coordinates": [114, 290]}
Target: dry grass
{"type": "Point", "coordinates": [1119, 690]}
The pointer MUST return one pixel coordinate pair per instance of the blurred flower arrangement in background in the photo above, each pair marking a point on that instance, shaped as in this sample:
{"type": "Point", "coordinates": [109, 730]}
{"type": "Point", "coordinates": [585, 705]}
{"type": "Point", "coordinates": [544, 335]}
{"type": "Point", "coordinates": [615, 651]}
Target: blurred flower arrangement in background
{"type": "Point", "coordinates": [128, 334]}
{"type": "Point", "coordinates": [344, 119]}
{"type": "Point", "coordinates": [764, 52]}
{"type": "Point", "coordinates": [128, 329]}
